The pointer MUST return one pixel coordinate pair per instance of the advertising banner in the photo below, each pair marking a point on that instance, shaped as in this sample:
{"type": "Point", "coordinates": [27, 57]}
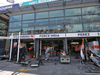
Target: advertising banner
{"type": "Point", "coordinates": [35, 2]}
{"type": "Point", "coordinates": [83, 34]}
{"type": "Point", "coordinates": [24, 36]}
{"type": "Point", "coordinates": [59, 35]}
{"type": "Point", "coordinates": [6, 4]}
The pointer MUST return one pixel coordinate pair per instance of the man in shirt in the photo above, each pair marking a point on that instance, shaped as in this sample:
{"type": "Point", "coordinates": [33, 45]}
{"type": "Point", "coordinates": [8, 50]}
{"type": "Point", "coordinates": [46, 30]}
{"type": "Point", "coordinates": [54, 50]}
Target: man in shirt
{"type": "Point", "coordinates": [47, 53]}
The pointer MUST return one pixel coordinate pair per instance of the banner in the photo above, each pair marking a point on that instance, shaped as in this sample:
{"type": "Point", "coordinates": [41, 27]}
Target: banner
{"type": "Point", "coordinates": [35, 2]}
{"type": "Point", "coordinates": [8, 6]}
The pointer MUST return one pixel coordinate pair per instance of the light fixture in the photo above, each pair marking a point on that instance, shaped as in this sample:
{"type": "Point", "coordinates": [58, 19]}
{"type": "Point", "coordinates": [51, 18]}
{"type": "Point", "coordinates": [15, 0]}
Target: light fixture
{"type": "Point", "coordinates": [31, 43]}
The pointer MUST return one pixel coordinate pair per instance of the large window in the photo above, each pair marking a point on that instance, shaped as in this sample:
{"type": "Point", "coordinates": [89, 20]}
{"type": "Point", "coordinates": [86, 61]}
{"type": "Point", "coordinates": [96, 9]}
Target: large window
{"type": "Point", "coordinates": [75, 19]}
{"type": "Point", "coordinates": [92, 27]}
{"type": "Point", "coordinates": [27, 23]}
{"type": "Point", "coordinates": [15, 18]}
{"type": "Point", "coordinates": [41, 22]}
{"type": "Point", "coordinates": [41, 15]}
{"type": "Point", "coordinates": [71, 12]}
{"type": "Point", "coordinates": [56, 13]}
{"type": "Point", "coordinates": [74, 28]}
{"type": "Point", "coordinates": [27, 31]}
{"type": "Point", "coordinates": [42, 29]}
{"type": "Point", "coordinates": [28, 16]}
{"type": "Point", "coordinates": [15, 31]}
{"type": "Point", "coordinates": [56, 21]}
{"type": "Point", "coordinates": [56, 29]}
{"type": "Point", "coordinates": [91, 10]}
{"type": "Point", "coordinates": [91, 18]}
{"type": "Point", "coordinates": [15, 25]}
{"type": "Point", "coordinates": [3, 32]}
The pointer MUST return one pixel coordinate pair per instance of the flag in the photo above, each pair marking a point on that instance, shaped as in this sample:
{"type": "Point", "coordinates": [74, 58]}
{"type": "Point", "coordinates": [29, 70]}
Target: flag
{"type": "Point", "coordinates": [10, 1]}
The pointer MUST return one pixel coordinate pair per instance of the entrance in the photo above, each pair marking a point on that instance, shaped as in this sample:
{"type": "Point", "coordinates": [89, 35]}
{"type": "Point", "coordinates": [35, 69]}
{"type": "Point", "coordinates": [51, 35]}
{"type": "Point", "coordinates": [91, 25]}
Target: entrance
{"type": "Point", "coordinates": [74, 46]}
{"type": "Point", "coordinates": [56, 46]}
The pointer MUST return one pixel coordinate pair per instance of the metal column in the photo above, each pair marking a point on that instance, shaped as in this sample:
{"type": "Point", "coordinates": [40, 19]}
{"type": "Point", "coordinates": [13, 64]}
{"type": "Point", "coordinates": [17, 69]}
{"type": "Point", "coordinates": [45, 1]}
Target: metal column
{"type": "Point", "coordinates": [40, 46]}
{"type": "Point", "coordinates": [36, 45]}
{"type": "Point", "coordinates": [65, 45]}
{"type": "Point", "coordinates": [18, 48]}
{"type": "Point", "coordinates": [11, 47]}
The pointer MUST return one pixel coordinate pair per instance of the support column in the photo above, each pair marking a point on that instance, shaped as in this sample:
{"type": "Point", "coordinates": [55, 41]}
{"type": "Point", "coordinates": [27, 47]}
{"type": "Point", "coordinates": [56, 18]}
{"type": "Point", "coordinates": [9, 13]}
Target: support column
{"type": "Point", "coordinates": [36, 49]}
{"type": "Point", "coordinates": [65, 45]}
{"type": "Point", "coordinates": [40, 46]}
{"type": "Point", "coordinates": [11, 46]}
{"type": "Point", "coordinates": [18, 48]}
{"type": "Point", "coordinates": [99, 44]}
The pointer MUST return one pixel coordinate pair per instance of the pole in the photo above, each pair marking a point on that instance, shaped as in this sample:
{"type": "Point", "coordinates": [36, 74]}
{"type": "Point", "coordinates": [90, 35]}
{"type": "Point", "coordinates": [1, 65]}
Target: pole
{"type": "Point", "coordinates": [34, 47]}
{"type": "Point", "coordinates": [66, 49]}
{"type": "Point", "coordinates": [40, 47]}
{"type": "Point", "coordinates": [18, 48]}
{"type": "Point", "coordinates": [11, 47]}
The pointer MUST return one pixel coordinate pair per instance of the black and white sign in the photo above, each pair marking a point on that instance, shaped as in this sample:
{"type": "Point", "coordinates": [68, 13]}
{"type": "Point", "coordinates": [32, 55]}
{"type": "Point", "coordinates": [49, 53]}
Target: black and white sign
{"type": "Point", "coordinates": [23, 36]}
{"type": "Point", "coordinates": [83, 34]}
{"type": "Point", "coordinates": [50, 35]}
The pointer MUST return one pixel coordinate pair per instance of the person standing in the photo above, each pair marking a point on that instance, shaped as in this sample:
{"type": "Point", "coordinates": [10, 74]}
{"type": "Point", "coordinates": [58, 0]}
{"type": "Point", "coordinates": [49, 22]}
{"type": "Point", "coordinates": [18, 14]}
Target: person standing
{"type": "Point", "coordinates": [47, 53]}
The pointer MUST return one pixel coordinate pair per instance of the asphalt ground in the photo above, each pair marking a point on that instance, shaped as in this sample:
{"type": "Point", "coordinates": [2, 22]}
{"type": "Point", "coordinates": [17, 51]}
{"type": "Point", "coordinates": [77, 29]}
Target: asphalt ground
{"type": "Point", "coordinates": [49, 68]}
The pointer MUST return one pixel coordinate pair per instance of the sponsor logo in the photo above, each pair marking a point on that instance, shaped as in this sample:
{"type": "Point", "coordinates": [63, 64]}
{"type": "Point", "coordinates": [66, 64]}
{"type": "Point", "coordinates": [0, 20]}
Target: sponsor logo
{"type": "Point", "coordinates": [83, 34]}
{"type": "Point", "coordinates": [24, 36]}
{"type": "Point", "coordinates": [49, 35]}
{"type": "Point", "coordinates": [98, 34]}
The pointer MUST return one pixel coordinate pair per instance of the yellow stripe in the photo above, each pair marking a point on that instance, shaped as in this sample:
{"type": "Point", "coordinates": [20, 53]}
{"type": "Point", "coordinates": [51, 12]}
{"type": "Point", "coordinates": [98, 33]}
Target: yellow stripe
{"type": "Point", "coordinates": [27, 69]}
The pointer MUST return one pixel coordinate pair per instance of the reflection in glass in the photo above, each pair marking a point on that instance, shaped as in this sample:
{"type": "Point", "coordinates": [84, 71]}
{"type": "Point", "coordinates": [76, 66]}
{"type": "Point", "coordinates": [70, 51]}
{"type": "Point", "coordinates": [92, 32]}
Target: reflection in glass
{"type": "Point", "coordinates": [56, 13]}
{"type": "Point", "coordinates": [91, 10]}
{"type": "Point", "coordinates": [91, 18]}
{"type": "Point", "coordinates": [56, 29]}
{"type": "Point", "coordinates": [56, 21]}
{"type": "Point", "coordinates": [3, 29]}
{"type": "Point", "coordinates": [92, 27]}
{"type": "Point", "coordinates": [41, 15]}
{"type": "Point", "coordinates": [75, 19]}
{"type": "Point", "coordinates": [15, 25]}
{"type": "Point", "coordinates": [15, 18]}
{"type": "Point", "coordinates": [41, 22]}
{"type": "Point", "coordinates": [15, 31]}
{"type": "Point", "coordinates": [27, 23]}
{"type": "Point", "coordinates": [27, 31]}
{"type": "Point", "coordinates": [28, 16]}
{"type": "Point", "coordinates": [42, 29]}
{"type": "Point", "coordinates": [71, 12]}
{"type": "Point", "coordinates": [73, 28]}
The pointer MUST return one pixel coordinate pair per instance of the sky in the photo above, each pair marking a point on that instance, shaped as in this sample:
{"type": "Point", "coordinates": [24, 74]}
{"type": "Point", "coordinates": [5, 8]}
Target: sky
{"type": "Point", "coordinates": [4, 2]}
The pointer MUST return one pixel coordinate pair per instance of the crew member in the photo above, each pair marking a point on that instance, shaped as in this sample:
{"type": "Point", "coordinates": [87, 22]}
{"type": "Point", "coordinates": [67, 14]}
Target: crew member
{"type": "Point", "coordinates": [47, 53]}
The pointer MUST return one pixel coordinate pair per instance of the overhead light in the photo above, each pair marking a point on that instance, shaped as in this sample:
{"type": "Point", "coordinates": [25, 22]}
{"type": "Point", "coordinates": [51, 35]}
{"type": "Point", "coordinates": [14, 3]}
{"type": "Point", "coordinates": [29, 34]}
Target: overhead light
{"type": "Point", "coordinates": [74, 42]}
{"type": "Point", "coordinates": [31, 43]}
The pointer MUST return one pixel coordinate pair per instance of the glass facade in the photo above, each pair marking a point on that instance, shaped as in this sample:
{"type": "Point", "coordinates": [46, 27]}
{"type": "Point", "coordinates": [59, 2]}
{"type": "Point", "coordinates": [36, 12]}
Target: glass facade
{"type": "Point", "coordinates": [28, 23]}
{"type": "Point", "coordinates": [15, 18]}
{"type": "Point", "coordinates": [3, 29]}
{"type": "Point", "coordinates": [28, 16]}
{"type": "Point", "coordinates": [57, 21]}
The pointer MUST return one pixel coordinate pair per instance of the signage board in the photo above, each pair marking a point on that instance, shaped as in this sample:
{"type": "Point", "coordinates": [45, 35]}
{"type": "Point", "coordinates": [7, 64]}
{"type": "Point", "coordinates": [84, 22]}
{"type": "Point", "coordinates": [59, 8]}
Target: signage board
{"type": "Point", "coordinates": [35, 2]}
{"type": "Point", "coordinates": [60, 35]}
{"type": "Point", "coordinates": [8, 6]}
{"type": "Point", "coordinates": [50, 35]}
{"type": "Point", "coordinates": [23, 36]}
{"type": "Point", "coordinates": [83, 34]}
